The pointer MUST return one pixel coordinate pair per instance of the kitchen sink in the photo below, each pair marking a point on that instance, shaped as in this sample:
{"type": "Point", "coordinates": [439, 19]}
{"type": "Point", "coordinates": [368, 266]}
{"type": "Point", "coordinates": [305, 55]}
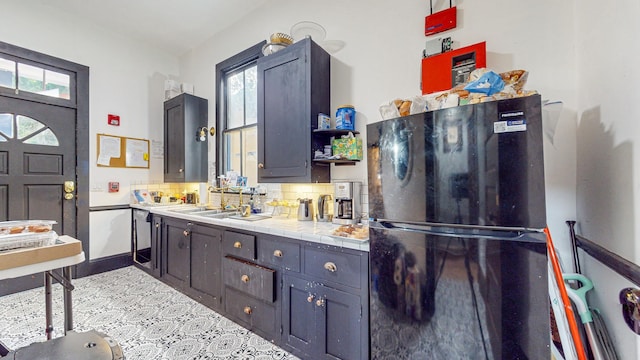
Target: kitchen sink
{"type": "Point", "coordinates": [202, 210]}
{"type": "Point", "coordinates": [190, 210]}
{"type": "Point", "coordinates": [218, 215]}
{"type": "Point", "coordinates": [252, 217]}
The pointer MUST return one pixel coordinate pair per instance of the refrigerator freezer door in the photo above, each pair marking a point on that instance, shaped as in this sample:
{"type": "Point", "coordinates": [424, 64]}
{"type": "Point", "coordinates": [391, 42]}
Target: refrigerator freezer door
{"type": "Point", "coordinates": [456, 297]}
{"type": "Point", "coordinates": [475, 164]}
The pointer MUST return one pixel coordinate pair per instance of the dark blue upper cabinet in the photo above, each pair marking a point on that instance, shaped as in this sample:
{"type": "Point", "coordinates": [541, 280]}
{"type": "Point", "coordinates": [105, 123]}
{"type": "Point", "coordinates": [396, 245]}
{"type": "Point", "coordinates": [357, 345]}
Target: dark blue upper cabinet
{"type": "Point", "coordinates": [185, 157]}
{"type": "Point", "coordinates": [293, 87]}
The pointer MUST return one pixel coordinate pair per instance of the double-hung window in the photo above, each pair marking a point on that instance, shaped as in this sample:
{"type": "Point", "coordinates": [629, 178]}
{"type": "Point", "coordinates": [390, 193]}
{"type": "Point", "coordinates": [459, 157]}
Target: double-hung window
{"type": "Point", "coordinates": [237, 114]}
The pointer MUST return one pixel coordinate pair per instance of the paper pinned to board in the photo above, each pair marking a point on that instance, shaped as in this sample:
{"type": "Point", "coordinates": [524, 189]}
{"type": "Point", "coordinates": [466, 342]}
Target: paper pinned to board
{"type": "Point", "coordinates": [109, 147]}
{"type": "Point", "coordinates": [550, 115]}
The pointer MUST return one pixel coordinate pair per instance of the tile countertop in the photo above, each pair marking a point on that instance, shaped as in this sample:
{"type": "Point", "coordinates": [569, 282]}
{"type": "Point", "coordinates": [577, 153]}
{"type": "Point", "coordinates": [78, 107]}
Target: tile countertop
{"type": "Point", "coordinates": [313, 231]}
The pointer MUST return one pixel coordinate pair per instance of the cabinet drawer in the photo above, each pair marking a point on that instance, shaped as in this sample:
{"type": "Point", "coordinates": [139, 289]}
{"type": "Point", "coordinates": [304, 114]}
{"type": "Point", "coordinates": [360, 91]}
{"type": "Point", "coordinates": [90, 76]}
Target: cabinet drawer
{"type": "Point", "coordinates": [339, 267]}
{"type": "Point", "coordinates": [250, 311]}
{"type": "Point", "coordinates": [250, 278]}
{"type": "Point", "coordinates": [277, 252]}
{"type": "Point", "coordinates": [239, 245]}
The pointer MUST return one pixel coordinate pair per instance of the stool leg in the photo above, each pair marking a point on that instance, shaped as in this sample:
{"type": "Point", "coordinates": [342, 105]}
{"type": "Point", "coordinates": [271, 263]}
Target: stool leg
{"type": "Point", "coordinates": [47, 305]}
{"type": "Point", "coordinates": [68, 312]}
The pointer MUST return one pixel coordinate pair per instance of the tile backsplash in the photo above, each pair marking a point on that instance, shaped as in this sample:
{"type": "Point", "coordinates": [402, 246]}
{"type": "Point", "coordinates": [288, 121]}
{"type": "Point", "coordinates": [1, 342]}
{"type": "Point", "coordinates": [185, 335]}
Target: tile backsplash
{"type": "Point", "coordinates": [176, 190]}
{"type": "Point", "coordinates": [289, 192]}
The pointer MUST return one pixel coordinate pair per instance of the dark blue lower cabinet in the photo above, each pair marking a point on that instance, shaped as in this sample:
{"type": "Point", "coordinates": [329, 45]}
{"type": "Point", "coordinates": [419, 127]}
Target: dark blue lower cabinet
{"type": "Point", "coordinates": [340, 315]}
{"type": "Point", "coordinates": [309, 298]}
{"type": "Point", "coordinates": [254, 314]}
{"type": "Point", "coordinates": [298, 310]}
{"type": "Point", "coordinates": [321, 321]}
{"type": "Point", "coordinates": [191, 255]}
{"type": "Point", "coordinates": [205, 274]}
{"type": "Point", "coordinates": [176, 253]}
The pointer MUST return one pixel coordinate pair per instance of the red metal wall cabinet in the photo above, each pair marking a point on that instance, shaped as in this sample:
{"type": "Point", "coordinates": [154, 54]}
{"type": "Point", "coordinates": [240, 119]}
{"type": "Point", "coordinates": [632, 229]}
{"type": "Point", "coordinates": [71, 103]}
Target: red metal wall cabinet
{"type": "Point", "coordinates": [444, 71]}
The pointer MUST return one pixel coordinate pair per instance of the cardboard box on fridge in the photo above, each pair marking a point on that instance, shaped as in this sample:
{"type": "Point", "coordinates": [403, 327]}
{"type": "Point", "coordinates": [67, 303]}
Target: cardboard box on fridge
{"type": "Point", "coordinates": [349, 148]}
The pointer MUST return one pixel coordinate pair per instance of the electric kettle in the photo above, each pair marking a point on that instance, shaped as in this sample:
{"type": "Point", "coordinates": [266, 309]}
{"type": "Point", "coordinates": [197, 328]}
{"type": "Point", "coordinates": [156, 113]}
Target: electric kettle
{"type": "Point", "coordinates": [323, 208]}
{"type": "Point", "coordinates": [305, 210]}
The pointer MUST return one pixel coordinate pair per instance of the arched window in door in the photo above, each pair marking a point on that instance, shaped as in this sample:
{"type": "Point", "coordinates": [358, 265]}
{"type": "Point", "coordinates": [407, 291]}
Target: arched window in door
{"type": "Point", "coordinates": [26, 129]}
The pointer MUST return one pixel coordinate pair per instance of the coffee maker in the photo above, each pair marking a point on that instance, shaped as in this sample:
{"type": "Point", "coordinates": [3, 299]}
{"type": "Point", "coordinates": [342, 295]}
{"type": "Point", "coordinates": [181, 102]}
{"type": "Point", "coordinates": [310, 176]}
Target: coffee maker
{"type": "Point", "coordinates": [348, 208]}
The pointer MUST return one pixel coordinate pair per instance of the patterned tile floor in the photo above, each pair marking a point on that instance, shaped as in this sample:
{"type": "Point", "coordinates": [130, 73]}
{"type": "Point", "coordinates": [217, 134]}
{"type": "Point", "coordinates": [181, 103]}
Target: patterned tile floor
{"type": "Point", "coordinates": [149, 320]}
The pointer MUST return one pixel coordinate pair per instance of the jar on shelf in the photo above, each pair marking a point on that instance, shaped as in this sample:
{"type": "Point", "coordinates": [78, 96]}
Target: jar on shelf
{"type": "Point", "coordinates": [346, 117]}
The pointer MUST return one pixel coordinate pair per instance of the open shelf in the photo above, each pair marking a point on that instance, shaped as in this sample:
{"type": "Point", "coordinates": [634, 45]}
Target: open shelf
{"type": "Point", "coordinates": [337, 162]}
{"type": "Point", "coordinates": [322, 135]}
{"type": "Point", "coordinates": [334, 132]}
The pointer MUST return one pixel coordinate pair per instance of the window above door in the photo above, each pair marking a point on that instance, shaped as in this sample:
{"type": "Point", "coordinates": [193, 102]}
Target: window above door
{"type": "Point", "coordinates": [18, 75]}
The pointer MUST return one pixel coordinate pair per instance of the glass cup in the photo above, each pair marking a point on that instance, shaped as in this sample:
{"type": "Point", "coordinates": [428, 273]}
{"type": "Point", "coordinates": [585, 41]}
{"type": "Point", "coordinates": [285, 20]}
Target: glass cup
{"type": "Point", "coordinates": [245, 210]}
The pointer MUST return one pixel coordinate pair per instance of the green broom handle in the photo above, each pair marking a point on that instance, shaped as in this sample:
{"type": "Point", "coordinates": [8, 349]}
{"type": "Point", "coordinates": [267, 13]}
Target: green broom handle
{"type": "Point", "coordinates": [581, 293]}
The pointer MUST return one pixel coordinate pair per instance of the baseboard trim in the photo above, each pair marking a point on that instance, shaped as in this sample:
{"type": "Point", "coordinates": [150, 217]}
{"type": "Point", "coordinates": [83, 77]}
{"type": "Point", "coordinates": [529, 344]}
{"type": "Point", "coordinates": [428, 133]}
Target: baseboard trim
{"type": "Point", "coordinates": [104, 264]}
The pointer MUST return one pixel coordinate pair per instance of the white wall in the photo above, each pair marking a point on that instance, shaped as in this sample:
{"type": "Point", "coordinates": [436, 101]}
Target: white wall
{"type": "Point", "coordinates": [607, 50]}
{"type": "Point", "coordinates": [126, 78]}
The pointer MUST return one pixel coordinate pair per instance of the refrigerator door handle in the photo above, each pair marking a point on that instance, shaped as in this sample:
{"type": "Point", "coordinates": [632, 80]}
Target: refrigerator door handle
{"type": "Point", "coordinates": [455, 230]}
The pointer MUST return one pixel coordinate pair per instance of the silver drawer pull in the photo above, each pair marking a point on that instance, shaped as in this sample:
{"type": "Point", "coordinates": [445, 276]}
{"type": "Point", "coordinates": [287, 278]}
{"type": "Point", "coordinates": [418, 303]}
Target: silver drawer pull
{"type": "Point", "coordinates": [330, 266]}
{"type": "Point", "coordinates": [237, 245]}
{"type": "Point", "coordinates": [277, 253]}
{"type": "Point", "coordinates": [244, 278]}
{"type": "Point", "coordinates": [247, 310]}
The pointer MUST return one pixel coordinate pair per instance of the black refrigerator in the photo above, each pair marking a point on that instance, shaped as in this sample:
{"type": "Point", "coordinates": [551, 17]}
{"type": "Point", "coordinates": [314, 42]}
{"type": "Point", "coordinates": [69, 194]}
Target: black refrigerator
{"type": "Point", "coordinates": [458, 260]}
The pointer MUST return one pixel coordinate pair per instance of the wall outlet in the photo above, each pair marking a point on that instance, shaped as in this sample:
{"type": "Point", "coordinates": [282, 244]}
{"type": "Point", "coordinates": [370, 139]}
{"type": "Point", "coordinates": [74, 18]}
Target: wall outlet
{"type": "Point", "coordinates": [96, 188]}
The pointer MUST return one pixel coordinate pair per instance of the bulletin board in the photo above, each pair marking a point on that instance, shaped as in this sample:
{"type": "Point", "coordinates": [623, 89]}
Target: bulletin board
{"type": "Point", "coordinates": [120, 151]}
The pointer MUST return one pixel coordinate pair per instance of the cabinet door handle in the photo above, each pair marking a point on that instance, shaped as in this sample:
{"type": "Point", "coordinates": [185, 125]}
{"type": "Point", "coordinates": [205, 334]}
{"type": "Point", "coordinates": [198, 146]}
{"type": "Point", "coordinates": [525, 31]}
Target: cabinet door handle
{"type": "Point", "coordinates": [260, 166]}
{"type": "Point", "coordinates": [330, 266]}
{"type": "Point", "coordinates": [247, 310]}
{"type": "Point", "coordinates": [320, 302]}
{"type": "Point", "coordinates": [157, 225]}
{"type": "Point", "coordinates": [237, 245]}
{"type": "Point", "coordinates": [277, 253]}
{"type": "Point", "coordinates": [310, 298]}
{"type": "Point", "coordinates": [186, 232]}
{"type": "Point", "coordinates": [180, 170]}
{"type": "Point", "coordinates": [244, 278]}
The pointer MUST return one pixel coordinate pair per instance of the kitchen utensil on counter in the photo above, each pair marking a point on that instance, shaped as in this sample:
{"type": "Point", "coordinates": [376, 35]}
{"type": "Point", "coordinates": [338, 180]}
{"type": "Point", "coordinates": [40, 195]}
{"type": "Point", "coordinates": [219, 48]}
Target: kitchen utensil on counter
{"type": "Point", "coordinates": [347, 204]}
{"type": "Point", "coordinates": [305, 210]}
{"type": "Point", "coordinates": [324, 202]}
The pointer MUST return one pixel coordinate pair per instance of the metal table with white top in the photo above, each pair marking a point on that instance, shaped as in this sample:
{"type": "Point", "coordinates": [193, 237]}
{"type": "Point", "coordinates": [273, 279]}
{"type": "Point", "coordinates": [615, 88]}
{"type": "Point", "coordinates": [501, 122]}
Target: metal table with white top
{"type": "Point", "coordinates": [50, 268]}
{"type": "Point", "coordinates": [57, 264]}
